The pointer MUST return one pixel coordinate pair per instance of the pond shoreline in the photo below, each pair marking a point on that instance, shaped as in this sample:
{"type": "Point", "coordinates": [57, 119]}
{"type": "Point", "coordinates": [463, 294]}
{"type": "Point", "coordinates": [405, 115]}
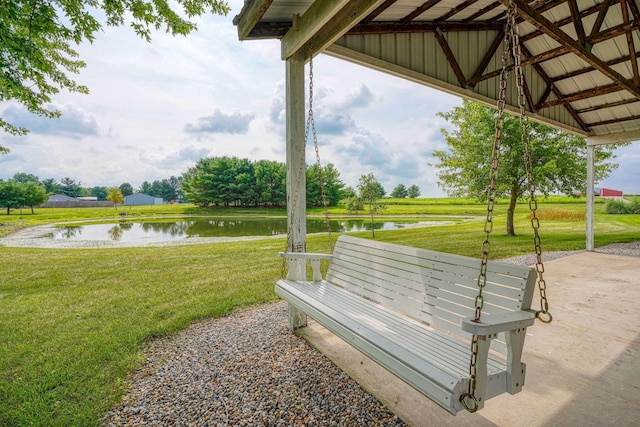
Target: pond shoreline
{"type": "Point", "coordinates": [37, 237]}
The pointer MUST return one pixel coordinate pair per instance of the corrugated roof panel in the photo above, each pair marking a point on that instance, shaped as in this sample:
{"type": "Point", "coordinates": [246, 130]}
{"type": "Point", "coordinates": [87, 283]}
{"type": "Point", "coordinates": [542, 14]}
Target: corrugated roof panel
{"type": "Point", "coordinates": [541, 44]}
{"type": "Point", "coordinates": [399, 10]}
{"type": "Point", "coordinates": [558, 13]}
{"type": "Point", "coordinates": [624, 69]}
{"type": "Point", "coordinates": [601, 100]}
{"type": "Point", "coordinates": [581, 83]}
{"type": "Point", "coordinates": [419, 56]}
{"type": "Point", "coordinates": [437, 11]}
{"type": "Point", "coordinates": [476, 7]}
{"type": "Point", "coordinates": [609, 50]}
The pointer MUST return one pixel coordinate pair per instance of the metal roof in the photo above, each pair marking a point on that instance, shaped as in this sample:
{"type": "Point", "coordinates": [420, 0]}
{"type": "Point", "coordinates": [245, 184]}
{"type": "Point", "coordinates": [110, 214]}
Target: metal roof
{"type": "Point", "coordinates": [580, 56]}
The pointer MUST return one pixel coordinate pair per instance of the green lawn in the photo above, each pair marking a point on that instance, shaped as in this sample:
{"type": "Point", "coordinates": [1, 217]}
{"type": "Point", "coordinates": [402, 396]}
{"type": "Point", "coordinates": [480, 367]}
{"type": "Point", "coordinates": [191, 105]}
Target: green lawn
{"type": "Point", "coordinates": [74, 322]}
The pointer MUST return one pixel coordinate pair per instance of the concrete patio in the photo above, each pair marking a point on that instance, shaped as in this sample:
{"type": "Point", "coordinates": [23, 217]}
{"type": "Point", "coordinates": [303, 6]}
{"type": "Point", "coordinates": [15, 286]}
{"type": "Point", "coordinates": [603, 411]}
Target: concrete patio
{"type": "Point", "coordinates": [582, 369]}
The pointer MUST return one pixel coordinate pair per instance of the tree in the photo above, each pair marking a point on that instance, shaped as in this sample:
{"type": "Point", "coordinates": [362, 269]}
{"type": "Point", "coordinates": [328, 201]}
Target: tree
{"type": "Point", "coordinates": [146, 188]}
{"type": "Point", "coordinates": [38, 39]}
{"type": "Point", "coordinates": [69, 187]}
{"type": "Point", "coordinates": [333, 185]}
{"type": "Point", "coordinates": [271, 182]}
{"type": "Point", "coordinates": [115, 196]}
{"type": "Point", "coordinates": [23, 178]}
{"type": "Point", "coordinates": [400, 192]}
{"type": "Point", "coordinates": [413, 192]}
{"type": "Point", "coordinates": [11, 195]}
{"type": "Point", "coordinates": [126, 189]}
{"type": "Point", "coordinates": [33, 194]}
{"type": "Point", "coordinates": [99, 192]}
{"type": "Point", "coordinates": [51, 186]}
{"type": "Point", "coordinates": [370, 192]}
{"type": "Point", "coordinates": [559, 158]}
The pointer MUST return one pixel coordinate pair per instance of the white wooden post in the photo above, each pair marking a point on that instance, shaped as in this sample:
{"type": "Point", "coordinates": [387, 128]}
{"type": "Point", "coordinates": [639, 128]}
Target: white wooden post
{"type": "Point", "coordinates": [612, 138]}
{"type": "Point", "coordinates": [296, 169]}
{"type": "Point", "coordinates": [591, 171]}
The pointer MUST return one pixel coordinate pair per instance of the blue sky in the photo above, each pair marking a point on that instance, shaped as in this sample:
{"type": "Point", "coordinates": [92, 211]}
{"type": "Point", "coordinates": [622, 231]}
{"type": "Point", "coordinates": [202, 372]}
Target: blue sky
{"type": "Point", "coordinates": [156, 109]}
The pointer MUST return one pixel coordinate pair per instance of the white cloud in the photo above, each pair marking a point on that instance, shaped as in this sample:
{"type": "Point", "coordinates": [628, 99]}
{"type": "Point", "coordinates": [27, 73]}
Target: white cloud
{"type": "Point", "coordinates": [74, 122]}
{"type": "Point", "coordinates": [219, 122]}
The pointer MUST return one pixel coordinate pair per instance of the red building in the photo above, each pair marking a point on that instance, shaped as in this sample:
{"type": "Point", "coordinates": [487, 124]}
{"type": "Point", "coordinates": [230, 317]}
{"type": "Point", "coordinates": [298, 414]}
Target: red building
{"type": "Point", "coordinates": [607, 192]}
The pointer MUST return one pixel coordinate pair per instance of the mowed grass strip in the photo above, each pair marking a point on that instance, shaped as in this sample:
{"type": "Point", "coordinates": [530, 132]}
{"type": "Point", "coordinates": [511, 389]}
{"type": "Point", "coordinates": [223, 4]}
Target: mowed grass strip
{"type": "Point", "coordinates": [74, 322]}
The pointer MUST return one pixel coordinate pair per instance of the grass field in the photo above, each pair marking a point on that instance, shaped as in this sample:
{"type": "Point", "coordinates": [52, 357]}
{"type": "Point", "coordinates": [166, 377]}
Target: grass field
{"type": "Point", "coordinates": [74, 322]}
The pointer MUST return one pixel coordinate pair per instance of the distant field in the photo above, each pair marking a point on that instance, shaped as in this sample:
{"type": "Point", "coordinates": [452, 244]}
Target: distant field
{"type": "Point", "coordinates": [74, 322]}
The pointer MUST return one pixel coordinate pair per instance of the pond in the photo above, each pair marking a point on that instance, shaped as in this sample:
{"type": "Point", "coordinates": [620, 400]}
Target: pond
{"type": "Point", "coordinates": [176, 230]}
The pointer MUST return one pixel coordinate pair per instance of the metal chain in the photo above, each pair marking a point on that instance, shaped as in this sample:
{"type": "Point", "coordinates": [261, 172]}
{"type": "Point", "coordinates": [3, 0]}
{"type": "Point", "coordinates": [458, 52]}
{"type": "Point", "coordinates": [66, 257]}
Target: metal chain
{"type": "Point", "coordinates": [311, 122]}
{"type": "Point", "coordinates": [468, 399]}
{"type": "Point", "coordinates": [543, 314]}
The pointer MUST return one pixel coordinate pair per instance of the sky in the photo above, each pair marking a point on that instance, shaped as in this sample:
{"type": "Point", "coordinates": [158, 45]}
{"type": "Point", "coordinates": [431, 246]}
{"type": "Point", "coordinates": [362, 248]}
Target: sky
{"type": "Point", "coordinates": [157, 108]}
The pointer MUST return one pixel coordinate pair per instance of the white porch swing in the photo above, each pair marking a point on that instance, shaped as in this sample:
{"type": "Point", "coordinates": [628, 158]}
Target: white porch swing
{"type": "Point", "coordinates": [415, 311]}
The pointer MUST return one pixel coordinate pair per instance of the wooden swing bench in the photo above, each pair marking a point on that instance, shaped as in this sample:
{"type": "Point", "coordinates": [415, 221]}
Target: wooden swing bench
{"type": "Point", "coordinates": [411, 310]}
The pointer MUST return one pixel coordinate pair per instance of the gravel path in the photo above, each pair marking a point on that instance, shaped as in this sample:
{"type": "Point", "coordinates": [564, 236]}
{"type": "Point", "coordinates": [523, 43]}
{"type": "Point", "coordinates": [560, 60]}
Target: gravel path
{"type": "Point", "coordinates": [245, 369]}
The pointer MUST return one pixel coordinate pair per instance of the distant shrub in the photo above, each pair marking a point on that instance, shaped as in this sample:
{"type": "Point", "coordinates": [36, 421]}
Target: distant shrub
{"type": "Point", "coordinates": [559, 215]}
{"type": "Point", "coordinates": [615, 207]}
{"type": "Point", "coordinates": [354, 204]}
{"type": "Point", "coordinates": [634, 207]}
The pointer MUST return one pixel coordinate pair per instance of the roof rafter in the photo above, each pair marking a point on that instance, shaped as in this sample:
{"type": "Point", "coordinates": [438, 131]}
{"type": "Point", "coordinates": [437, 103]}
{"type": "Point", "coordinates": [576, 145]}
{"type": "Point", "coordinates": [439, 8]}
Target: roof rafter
{"type": "Point", "coordinates": [551, 88]}
{"type": "Point", "coordinates": [577, 21]}
{"type": "Point", "coordinates": [579, 96]}
{"type": "Point", "coordinates": [497, 42]}
{"type": "Point", "coordinates": [453, 62]}
{"type": "Point", "coordinates": [422, 27]}
{"type": "Point", "coordinates": [256, 11]}
{"type": "Point", "coordinates": [419, 11]}
{"type": "Point", "coordinates": [342, 22]}
{"type": "Point", "coordinates": [454, 11]}
{"type": "Point", "coordinates": [373, 15]}
{"type": "Point", "coordinates": [551, 30]}
{"type": "Point", "coordinates": [631, 45]}
{"type": "Point", "coordinates": [602, 12]}
{"type": "Point", "coordinates": [304, 28]}
{"type": "Point", "coordinates": [609, 105]}
{"type": "Point", "coordinates": [568, 20]}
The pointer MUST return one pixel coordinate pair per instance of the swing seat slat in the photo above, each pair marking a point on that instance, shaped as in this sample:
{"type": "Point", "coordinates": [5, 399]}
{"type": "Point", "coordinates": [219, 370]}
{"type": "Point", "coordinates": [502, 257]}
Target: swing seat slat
{"type": "Point", "coordinates": [411, 311]}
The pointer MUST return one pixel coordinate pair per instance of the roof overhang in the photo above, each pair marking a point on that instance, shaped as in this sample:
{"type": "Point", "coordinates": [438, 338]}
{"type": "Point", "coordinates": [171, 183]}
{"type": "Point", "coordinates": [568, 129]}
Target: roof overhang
{"type": "Point", "coordinates": [581, 57]}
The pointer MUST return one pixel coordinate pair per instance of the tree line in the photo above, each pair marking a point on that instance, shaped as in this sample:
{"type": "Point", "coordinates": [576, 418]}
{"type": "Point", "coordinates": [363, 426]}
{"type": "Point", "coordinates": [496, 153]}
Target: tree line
{"type": "Point", "coordinates": [168, 189]}
{"type": "Point", "coordinates": [216, 181]}
{"type": "Point", "coordinates": [231, 181]}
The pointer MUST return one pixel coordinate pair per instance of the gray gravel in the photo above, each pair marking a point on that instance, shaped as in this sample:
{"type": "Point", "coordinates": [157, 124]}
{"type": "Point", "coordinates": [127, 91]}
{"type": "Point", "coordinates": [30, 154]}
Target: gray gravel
{"type": "Point", "coordinates": [245, 369]}
{"type": "Point", "coordinates": [626, 249]}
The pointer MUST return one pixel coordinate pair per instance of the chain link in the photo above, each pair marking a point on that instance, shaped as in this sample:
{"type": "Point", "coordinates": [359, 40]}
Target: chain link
{"type": "Point", "coordinates": [511, 41]}
{"type": "Point", "coordinates": [543, 314]}
{"type": "Point", "coordinates": [311, 122]}
{"type": "Point", "coordinates": [468, 399]}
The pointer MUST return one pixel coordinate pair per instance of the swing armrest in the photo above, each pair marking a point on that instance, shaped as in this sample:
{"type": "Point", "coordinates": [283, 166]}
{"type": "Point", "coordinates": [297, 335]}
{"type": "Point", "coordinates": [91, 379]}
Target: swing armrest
{"type": "Point", "coordinates": [303, 255]}
{"type": "Point", "coordinates": [493, 324]}
{"type": "Point", "coordinates": [314, 259]}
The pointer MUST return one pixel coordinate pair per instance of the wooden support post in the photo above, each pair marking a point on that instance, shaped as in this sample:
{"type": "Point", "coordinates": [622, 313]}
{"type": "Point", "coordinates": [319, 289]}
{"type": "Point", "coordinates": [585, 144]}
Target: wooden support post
{"type": "Point", "coordinates": [296, 170]}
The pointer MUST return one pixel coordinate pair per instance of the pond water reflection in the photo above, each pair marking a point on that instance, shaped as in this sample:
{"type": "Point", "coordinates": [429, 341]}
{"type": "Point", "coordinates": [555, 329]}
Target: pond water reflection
{"type": "Point", "coordinates": [175, 230]}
